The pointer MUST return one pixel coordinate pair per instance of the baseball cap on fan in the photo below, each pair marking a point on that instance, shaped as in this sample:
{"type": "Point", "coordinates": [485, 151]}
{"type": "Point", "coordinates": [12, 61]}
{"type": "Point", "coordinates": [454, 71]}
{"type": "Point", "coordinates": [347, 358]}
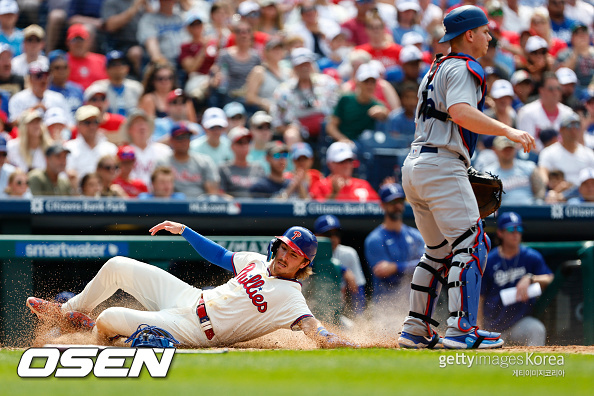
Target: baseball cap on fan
{"type": "Point", "coordinates": [365, 72]}
{"type": "Point", "coordinates": [126, 153]}
{"type": "Point", "coordinates": [411, 38]}
{"type": "Point", "coordinates": [520, 76]}
{"type": "Point", "coordinates": [55, 115]}
{"type": "Point", "coordinates": [570, 120]}
{"type": "Point", "coordinates": [238, 133]}
{"type": "Point", "coordinates": [501, 88]}
{"type": "Point", "coordinates": [566, 76]}
{"type": "Point", "coordinates": [214, 116]}
{"type": "Point", "coordinates": [585, 175]}
{"type": "Point", "coordinates": [410, 53]}
{"type": "Point", "coordinates": [339, 151]}
{"type": "Point", "coordinates": [534, 43]}
{"type": "Point", "coordinates": [77, 30]}
{"type": "Point", "coordinates": [248, 7]}
{"type": "Point", "coordinates": [406, 5]}
{"type": "Point", "coordinates": [302, 55]}
{"type": "Point", "coordinates": [9, 7]}
{"type": "Point", "coordinates": [301, 149]}
{"type": "Point", "coordinates": [501, 142]}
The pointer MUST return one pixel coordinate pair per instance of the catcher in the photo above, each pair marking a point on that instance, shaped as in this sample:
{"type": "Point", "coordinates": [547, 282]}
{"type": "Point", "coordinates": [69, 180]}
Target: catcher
{"type": "Point", "coordinates": [436, 182]}
{"type": "Point", "coordinates": [263, 296]}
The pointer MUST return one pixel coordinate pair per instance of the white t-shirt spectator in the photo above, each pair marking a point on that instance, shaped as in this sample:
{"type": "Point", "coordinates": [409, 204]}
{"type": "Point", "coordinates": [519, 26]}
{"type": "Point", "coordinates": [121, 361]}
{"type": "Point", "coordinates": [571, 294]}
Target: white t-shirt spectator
{"type": "Point", "coordinates": [84, 159]}
{"type": "Point", "coordinates": [146, 160]}
{"type": "Point", "coordinates": [556, 157]}
{"type": "Point", "coordinates": [15, 158]}
{"type": "Point", "coordinates": [25, 99]}
{"type": "Point", "coordinates": [20, 66]}
{"type": "Point", "coordinates": [533, 119]}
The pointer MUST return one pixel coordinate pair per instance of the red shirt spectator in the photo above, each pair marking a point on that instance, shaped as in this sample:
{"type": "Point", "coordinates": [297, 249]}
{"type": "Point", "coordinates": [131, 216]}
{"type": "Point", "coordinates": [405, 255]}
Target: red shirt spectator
{"type": "Point", "coordinates": [389, 56]}
{"type": "Point", "coordinates": [126, 159]}
{"type": "Point", "coordinates": [85, 67]}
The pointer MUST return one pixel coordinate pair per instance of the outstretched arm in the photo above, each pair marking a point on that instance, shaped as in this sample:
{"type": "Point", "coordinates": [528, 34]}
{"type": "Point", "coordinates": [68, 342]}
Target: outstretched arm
{"type": "Point", "coordinates": [211, 251]}
{"type": "Point", "coordinates": [314, 329]}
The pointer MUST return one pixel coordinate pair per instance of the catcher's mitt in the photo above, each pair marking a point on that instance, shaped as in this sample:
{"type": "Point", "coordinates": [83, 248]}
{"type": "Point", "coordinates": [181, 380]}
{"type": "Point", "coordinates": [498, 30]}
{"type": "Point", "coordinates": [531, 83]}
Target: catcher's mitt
{"type": "Point", "coordinates": [487, 189]}
{"type": "Point", "coordinates": [151, 337]}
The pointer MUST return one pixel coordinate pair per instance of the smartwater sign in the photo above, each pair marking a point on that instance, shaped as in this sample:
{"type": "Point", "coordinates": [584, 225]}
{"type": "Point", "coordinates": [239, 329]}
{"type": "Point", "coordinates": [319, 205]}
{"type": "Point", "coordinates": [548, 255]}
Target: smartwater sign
{"type": "Point", "coordinates": [71, 249]}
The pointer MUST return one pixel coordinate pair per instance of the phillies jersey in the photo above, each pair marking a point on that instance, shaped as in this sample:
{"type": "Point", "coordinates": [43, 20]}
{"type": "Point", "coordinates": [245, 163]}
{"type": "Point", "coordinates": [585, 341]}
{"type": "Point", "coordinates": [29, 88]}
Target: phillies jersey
{"type": "Point", "coordinates": [253, 303]}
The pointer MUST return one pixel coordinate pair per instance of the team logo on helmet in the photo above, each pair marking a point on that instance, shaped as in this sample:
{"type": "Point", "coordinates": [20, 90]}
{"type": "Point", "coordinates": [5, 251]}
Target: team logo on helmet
{"type": "Point", "coordinates": [296, 234]}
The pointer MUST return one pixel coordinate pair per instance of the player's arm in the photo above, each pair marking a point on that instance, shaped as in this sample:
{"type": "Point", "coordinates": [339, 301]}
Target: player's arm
{"type": "Point", "coordinates": [314, 329]}
{"type": "Point", "coordinates": [474, 120]}
{"type": "Point", "coordinates": [209, 250]}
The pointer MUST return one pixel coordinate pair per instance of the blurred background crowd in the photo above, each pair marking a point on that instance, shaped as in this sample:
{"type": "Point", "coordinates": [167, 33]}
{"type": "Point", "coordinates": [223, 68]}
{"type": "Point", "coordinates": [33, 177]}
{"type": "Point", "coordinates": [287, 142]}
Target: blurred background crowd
{"type": "Point", "coordinates": [276, 99]}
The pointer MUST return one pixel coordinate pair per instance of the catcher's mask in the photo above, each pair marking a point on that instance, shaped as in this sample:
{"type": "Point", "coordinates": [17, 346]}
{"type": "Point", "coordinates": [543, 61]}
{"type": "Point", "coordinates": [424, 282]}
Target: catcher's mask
{"type": "Point", "coordinates": [300, 239]}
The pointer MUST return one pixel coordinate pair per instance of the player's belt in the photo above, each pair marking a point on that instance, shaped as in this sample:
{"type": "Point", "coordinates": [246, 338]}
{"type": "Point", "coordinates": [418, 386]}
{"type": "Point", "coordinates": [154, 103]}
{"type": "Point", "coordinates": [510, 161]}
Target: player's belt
{"type": "Point", "coordinates": [435, 150]}
{"type": "Point", "coordinates": [204, 319]}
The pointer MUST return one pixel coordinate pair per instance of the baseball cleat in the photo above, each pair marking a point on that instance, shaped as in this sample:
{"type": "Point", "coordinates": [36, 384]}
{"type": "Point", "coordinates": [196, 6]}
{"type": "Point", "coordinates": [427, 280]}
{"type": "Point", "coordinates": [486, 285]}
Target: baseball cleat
{"type": "Point", "coordinates": [474, 339]}
{"type": "Point", "coordinates": [80, 320]}
{"type": "Point", "coordinates": [45, 310]}
{"type": "Point", "coordinates": [410, 341]}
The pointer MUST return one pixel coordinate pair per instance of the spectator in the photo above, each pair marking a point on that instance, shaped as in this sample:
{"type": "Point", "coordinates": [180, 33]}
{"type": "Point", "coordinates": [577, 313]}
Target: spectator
{"type": "Point", "coordinates": [540, 25]}
{"type": "Point", "coordinates": [414, 38]}
{"type": "Point", "coordinates": [355, 27]}
{"type": "Point", "coordinates": [18, 186]}
{"type": "Point", "coordinates": [9, 33]}
{"type": "Point", "coordinates": [408, 11]}
{"type": "Point", "coordinates": [412, 69]}
{"type": "Point", "coordinates": [57, 124]}
{"type": "Point", "coordinates": [233, 66]}
{"type": "Point", "coordinates": [261, 130]}
{"type": "Point", "coordinates": [197, 57]}
{"type": "Point", "coordinates": [218, 29]}
{"type": "Point", "coordinates": [558, 187]}
{"type": "Point", "coordinates": [58, 81]}
{"type": "Point", "coordinates": [163, 185]}
{"type": "Point", "coordinates": [568, 80]}
{"type": "Point", "coordinates": [214, 142]}
{"type": "Point", "coordinates": [264, 78]}
{"type": "Point", "coordinates": [568, 155]}
{"type": "Point", "coordinates": [32, 48]}
{"type": "Point", "coordinates": [586, 187]}
{"type": "Point", "coordinates": [516, 16]}
{"type": "Point", "coordinates": [139, 130]}
{"type": "Point", "coordinates": [303, 102]}
{"type": "Point", "coordinates": [392, 249]}
{"type": "Point", "coordinates": [52, 180]}
{"type": "Point", "coordinates": [339, 51]}
{"type": "Point", "coordinates": [589, 105]}
{"type": "Point", "coordinates": [271, 18]}
{"type": "Point", "coordinates": [537, 61]}
{"type": "Point", "coordinates": [545, 112]}
{"type": "Point", "coordinates": [56, 18]}
{"type": "Point", "coordinates": [249, 12]}
{"type": "Point", "coordinates": [110, 124]}
{"type": "Point", "coordinates": [27, 150]}
{"type": "Point", "coordinates": [177, 112]}
{"type": "Point", "coordinates": [123, 93]}
{"type": "Point", "coordinates": [353, 279]}
{"type": "Point", "coordinates": [303, 159]}
{"type": "Point", "coordinates": [275, 185]}
{"type": "Point", "coordinates": [517, 266]}
{"type": "Point", "coordinates": [523, 87]}
{"type": "Point", "coordinates": [401, 122]}
{"type": "Point", "coordinates": [380, 45]}
{"type": "Point", "coordinates": [126, 160]}
{"type": "Point", "coordinates": [239, 175]}
{"type": "Point", "coordinates": [357, 112]}
{"type": "Point", "coordinates": [162, 33]}
{"type": "Point", "coordinates": [560, 24]}
{"type": "Point", "coordinates": [108, 170]}
{"type": "Point", "coordinates": [548, 137]}
{"type": "Point", "coordinates": [195, 174]}
{"type": "Point", "coordinates": [158, 82]}
{"type": "Point", "coordinates": [430, 13]}
{"type": "Point", "coordinates": [502, 93]}
{"type": "Point", "coordinates": [580, 11]}
{"type": "Point", "coordinates": [90, 185]}
{"type": "Point", "coordinates": [89, 145]}
{"type": "Point", "coordinates": [522, 182]}
{"type": "Point", "coordinates": [6, 169]}
{"type": "Point", "coordinates": [121, 18]}
{"type": "Point", "coordinates": [85, 67]}
{"type": "Point", "coordinates": [580, 57]}
{"type": "Point", "coordinates": [9, 82]}
{"type": "Point", "coordinates": [340, 185]}
{"type": "Point", "coordinates": [312, 29]}
{"type": "Point", "coordinates": [87, 13]}
{"type": "Point", "coordinates": [37, 96]}
{"type": "Point", "coordinates": [236, 114]}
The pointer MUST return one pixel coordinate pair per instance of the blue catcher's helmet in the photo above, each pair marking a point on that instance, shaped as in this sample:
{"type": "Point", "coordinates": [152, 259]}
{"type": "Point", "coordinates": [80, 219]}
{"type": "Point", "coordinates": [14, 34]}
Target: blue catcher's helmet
{"type": "Point", "coordinates": [147, 336]}
{"type": "Point", "coordinates": [300, 239]}
{"type": "Point", "coordinates": [461, 19]}
{"type": "Point", "coordinates": [326, 223]}
{"type": "Point", "coordinates": [64, 296]}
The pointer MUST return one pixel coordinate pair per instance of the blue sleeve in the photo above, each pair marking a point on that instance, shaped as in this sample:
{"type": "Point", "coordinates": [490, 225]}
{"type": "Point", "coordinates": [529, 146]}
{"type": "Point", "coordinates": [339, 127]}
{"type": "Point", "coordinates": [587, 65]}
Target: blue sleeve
{"type": "Point", "coordinates": [211, 251]}
{"type": "Point", "coordinates": [374, 250]}
{"type": "Point", "coordinates": [538, 265]}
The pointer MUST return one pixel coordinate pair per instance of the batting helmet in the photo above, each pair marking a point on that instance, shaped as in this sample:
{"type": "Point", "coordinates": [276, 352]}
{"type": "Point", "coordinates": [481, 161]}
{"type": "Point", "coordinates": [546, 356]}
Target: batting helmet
{"type": "Point", "coordinates": [326, 223]}
{"type": "Point", "coordinates": [300, 239]}
{"type": "Point", "coordinates": [462, 19]}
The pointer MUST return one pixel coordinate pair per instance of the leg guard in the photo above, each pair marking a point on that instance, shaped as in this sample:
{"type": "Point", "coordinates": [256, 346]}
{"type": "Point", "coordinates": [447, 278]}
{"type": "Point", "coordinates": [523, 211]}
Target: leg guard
{"type": "Point", "coordinates": [426, 285]}
{"type": "Point", "coordinates": [464, 280]}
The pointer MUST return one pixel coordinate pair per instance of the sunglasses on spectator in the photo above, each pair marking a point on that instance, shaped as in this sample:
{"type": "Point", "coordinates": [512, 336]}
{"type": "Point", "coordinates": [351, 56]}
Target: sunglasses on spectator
{"type": "Point", "coordinates": [163, 78]}
{"type": "Point", "coordinates": [178, 102]}
{"type": "Point", "coordinates": [90, 122]}
{"type": "Point", "coordinates": [183, 136]}
{"type": "Point", "coordinates": [237, 117]}
{"type": "Point", "coordinates": [21, 182]}
{"type": "Point", "coordinates": [97, 98]}
{"type": "Point", "coordinates": [110, 168]}
{"type": "Point", "coordinates": [307, 9]}
{"type": "Point", "coordinates": [242, 31]}
{"type": "Point", "coordinates": [196, 23]}
{"type": "Point", "coordinates": [278, 156]}
{"type": "Point", "coordinates": [216, 128]}
{"type": "Point", "coordinates": [263, 126]}
{"type": "Point", "coordinates": [243, 142]}
{"type": "Point", "coordinates": [39, 76]}
{"type": "Point", "coordinates": [62, 67]}
{"type": "Point", "coordinates": [514, 228]}
{"type": "Point", "coordinates": [77, 38]}
{"type": "Point", "coordinates": [539, 52]}
{"type": "Point", "coordinates": [253, 14]}
{"type": "Point", "coordinates": [33, 39]}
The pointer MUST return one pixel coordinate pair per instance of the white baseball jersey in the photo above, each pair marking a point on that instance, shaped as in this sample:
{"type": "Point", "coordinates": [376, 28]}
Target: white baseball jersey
{"type": "Point", "coordinates": [146, 160]}
{"type": "Point", "coordinates": [533, 119]}
{"type": "Point", "coordinates": [253, 303]}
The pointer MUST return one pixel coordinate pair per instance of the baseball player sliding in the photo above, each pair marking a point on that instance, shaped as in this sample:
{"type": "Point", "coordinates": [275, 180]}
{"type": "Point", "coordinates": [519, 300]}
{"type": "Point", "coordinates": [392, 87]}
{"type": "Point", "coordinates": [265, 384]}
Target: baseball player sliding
{"type": "Point", "coordinates": [434, 177]}
{"type": "Point", "coordinates": [263, 296]}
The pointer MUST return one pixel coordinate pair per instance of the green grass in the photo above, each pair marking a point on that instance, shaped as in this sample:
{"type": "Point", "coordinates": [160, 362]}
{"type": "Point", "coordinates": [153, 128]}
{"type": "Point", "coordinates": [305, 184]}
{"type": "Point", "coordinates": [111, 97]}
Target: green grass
{"type": "Point", "coordinates": [319, 372]}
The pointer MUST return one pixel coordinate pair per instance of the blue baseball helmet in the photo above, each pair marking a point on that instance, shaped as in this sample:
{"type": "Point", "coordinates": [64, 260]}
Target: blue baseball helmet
{"type": "Point", "coordinates": [64, 296]}
{"type": "Point", "coordinates": [301, 240]}
{"type": "Point", "coordinates": [461, 20]}
{"type": "Point", "coordinates": [326, 223]}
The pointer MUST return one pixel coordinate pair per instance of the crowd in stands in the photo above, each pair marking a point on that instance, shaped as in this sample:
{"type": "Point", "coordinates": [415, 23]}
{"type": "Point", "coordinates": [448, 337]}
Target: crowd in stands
{"type": "Point", "coordinates": [277, 99]}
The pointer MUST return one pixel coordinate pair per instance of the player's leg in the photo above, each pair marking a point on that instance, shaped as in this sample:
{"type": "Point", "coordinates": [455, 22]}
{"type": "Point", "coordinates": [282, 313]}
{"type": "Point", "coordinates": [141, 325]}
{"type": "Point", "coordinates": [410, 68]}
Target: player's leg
{"type": "Point", "coordinates": [428, 276]}
{"type": "Point", "coordinates": [449, 195]}
{"type": "Point", "coordinates": [153, 287]}
{"type": "Point", "coordinates": [182, 323]}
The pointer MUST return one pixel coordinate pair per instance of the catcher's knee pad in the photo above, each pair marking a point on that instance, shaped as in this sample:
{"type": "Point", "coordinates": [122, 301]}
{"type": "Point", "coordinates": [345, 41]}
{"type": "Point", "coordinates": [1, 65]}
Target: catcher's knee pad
{"type": "Point", "coordinates": [466, 272]}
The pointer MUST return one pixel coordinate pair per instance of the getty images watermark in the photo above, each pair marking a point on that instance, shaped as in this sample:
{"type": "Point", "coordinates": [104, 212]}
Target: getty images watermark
{"type": "Point", "coordinates": [527, 365]}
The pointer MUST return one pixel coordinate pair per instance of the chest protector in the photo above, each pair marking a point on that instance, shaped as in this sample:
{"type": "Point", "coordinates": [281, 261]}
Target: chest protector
{"type": "Point", "coordinates": [427, 108]}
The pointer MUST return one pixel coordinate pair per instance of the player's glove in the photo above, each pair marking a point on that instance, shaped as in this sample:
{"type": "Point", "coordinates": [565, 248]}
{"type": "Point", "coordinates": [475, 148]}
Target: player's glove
{"type": "Point", "coordinates": [331, 340]}
{"type": "Point", "coordinates": [487, 189]}
{"type": "Point", "coordinates": [151, 337]}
